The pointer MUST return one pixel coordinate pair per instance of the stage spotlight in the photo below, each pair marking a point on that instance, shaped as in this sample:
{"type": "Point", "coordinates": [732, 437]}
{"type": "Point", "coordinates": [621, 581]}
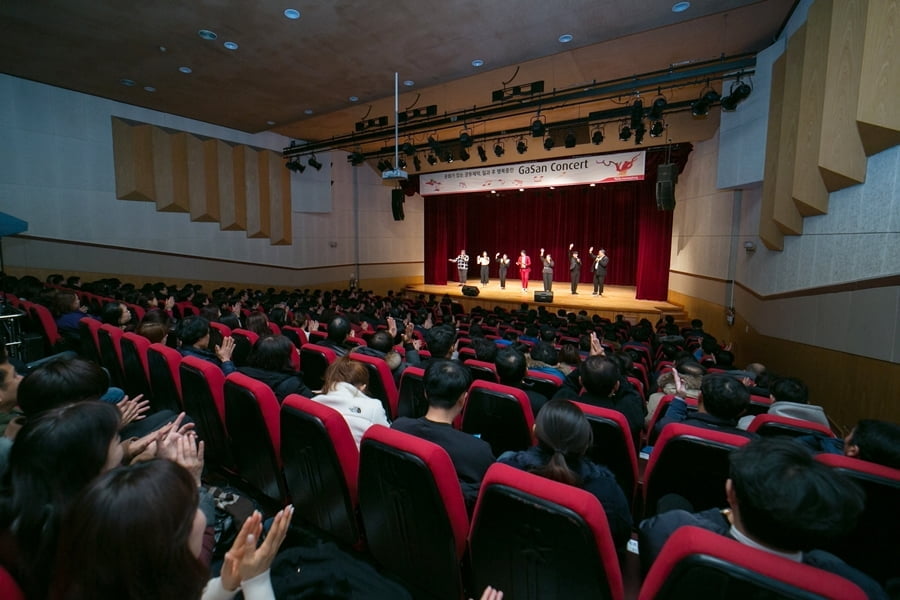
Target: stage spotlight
{"type": "Point", "coordinates": [700, 106]}
{"type": "Point", "coordinates": [597, 137]}
{"type": "Point", "coordinates": [625, 132]}
{"type": "Point", "coordinates": [408, 149]}
{"type": "Point", "coordinates": [570, 139]}
{"type": "Point", "coordinates": [295, 166]}
{"type": "Point", "coordinates": [521, 146]}
{"type": "Point", "coordinates": [657, 108]}
{"type": "Point", "coordinates": [464, 154]}
{"type": "Point", "coordinates": [431, 159]}
{"type": "Point", "coordinates": [465, 139]}
{"type": "Point", "coordinates": [739, 93]}
{"type": "Point", "coordinates": [448, 157]}
{"type": "Point", "coordinates": [549, 143]}
{"type": "Point", "coordinates": [356, 158]}
{"type": "Point", "coordinates": [434, 145]}
{"type": "Point", "coordinates": [499, 149]}
{"type": "Point", "coordinates": [401, 163]}
{"type": "Point", "coordinates": [637, 113]}
{"type": "Point", "coordinates": [482, 154]}
{"type": "Point", "coordinates": [657, 128]}
{"type": "Point", "coordinates": [417, 163]}
{"type": "Point", "coordinates": [639, 132]}
{"type": "Point", "coordinates": [537, 127]}
{"type": "Point", "coordinates": [314, 163]}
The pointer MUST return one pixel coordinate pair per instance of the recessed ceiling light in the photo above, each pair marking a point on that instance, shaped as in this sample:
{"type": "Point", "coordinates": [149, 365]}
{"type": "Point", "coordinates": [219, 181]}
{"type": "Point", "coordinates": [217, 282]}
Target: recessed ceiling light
{"type": "Point", "coordinates": [292, 13]}
{"type": "Point", "coordinates": [308, 111]}
{"type": "Point", "coordinates": [593, 185]}
{"type": "Point", "coordinates": [186, 70]}
{"type": "Point", "coordinates": [231, 45]}
{"type": "Point", "coordinates": [477, 63]}
{"type": "Point", "coordinates": [127, 82]}
{"type": "Point", "coordinates": [149, 88]}
{"type": "Point", "coordinates": [206, 34]}
{"type": "Point", "coordinates": [270, 122]}
{"type": "Point", "coordinates": [409, 83]}
{"type": "Point", "coordinates": [565, 38]}
{"type": "Point", "coordinates": [521, 189]}
{"type": "Point", "coordinates": [354, 99]}
{"type": "Point", "coordinates": [493, 191]}
{"type": "Point", "coordinates": [680, 6]}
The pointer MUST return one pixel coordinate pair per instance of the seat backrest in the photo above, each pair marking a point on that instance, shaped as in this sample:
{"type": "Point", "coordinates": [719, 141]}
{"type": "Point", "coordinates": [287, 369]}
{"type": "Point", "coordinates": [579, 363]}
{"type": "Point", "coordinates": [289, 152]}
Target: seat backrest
{"type": "Point", "coordinates": [500, 414]}
{"type": "Point", "coordinates": [482, 370]}
{"type": "Point", "coordinates": [244, 339]}
{"type": "Point", "coordinates": [90, 338]}
{"type": "Point", "coordinates": [203, 385]}
{"type": "Point", "coordinates": [274, 328]}
{"type": "Point", "coordinates": [770, 425]}
{"type": "Point", "coordinates": [295, 334]}
{"type": "Point", "coordinates": [9, 587]}
{"type": "Point", "coordinates": [186, 309]}
{"type": "Point", "coordinates": [759, 404]}
{"type": "Point", "coordinates": [135, 366]}
{"type": "Point", "coordinates": [165, 379]}
{"type": "Point", "coordinates": [252, 421]}
{"type": "Point", "coordinates": [111, 353]}
{"type": "Point", "coordinates": [321, 464]}
{"type": "Point", "coordinates": [692, 462]}
{"type": "Point", "coordinates": [872, 545]}
{"type": "Point", "coordinates": [546, 384]}
{"type": "Point", "coordinates": [661, 409]}
{"type": "Point", "coordinates": [381, 382]}
{"type": "Point", "coordinates": [536, 538]}
{"type": "Point", "coordinates": [314, 360]}
{"type": "Point", "coordinates": [411, 401]}
{"type": "Point", "coordinates": [224, 330]}
{"type": "Point", "coordinates": [613, 446]}
{"type": "Point", "coordinates": [42, 316]}
{"type": "Point", "coordinates": [696, 563]}
{"type": "Point", "coordinates": [413, 511]}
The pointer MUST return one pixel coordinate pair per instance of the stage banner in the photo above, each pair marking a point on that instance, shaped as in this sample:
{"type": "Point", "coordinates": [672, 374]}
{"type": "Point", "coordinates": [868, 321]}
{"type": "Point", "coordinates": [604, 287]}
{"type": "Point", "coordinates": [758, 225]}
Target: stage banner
{"type": "Point", "coordinates": [599, 168]}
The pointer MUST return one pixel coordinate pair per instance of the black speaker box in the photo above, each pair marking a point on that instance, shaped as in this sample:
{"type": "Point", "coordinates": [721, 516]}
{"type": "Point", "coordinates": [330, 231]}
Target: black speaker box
{"type": "Point", "coordinates": [543, 296]}
{"type": "Point", "coordinates": [666, 176]}
{"type": "Point", "coordinates": [470, 290]}
{"type": "Point", "coordinates": [397, 198]}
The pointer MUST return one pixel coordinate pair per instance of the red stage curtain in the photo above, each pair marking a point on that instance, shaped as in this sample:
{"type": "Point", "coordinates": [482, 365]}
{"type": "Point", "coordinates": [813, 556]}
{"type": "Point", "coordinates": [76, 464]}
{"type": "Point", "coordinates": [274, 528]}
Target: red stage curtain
{"type": "Point", "coordinates": [620, 217]}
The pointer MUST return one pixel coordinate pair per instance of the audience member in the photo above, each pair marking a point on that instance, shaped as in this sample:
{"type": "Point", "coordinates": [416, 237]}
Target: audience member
{"type": "Point", "coordinates": [9, 393]}
{"type": "Point", "coordinates": [870, 440]}
{"type": "Point", "coordinates": [511, 369]}
{"type": "Point", "coordinates": [68, 312]}
{"type": "Point", "coordinates": [780, 501]}
{"type": "Point", "coordinates": [544, 358]}
{"type": "Point", "coordinates": [117, 315]}
{"type": "Point", "coordinates": [723, 399]}
{"type": "Point", "coordinates": [485, 349]}
{"type": "Point", "coordinates": [193, 337]}
{"type": "Point", "coordinates": [346, 381]}
{"type": "Point", "coordinates": [790, 398]}
{"type": "Point", "coordinates": [446, 383]}
{"type": "Point", "coordinates": [270, 363]}
{"type": "Point", "coordinates": [258, 324]}
{"type": "Point", "coordinates": [564, 437]}
{"type": "Point", "coordinates": [691, 374]}
{"type": "Point", "coordinates": [338, 332]}
{"type": "Point", "coordinates": [441, 343]}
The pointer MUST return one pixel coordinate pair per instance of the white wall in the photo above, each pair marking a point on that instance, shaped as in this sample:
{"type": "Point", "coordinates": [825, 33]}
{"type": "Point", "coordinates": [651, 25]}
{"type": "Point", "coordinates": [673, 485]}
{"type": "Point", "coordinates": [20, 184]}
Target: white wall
{"type": "Point", "coordinates": [58, 175]}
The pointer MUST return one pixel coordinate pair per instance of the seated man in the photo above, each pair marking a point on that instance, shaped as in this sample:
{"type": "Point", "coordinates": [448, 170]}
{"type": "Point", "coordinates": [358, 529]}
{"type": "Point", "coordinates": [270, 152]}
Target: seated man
{"type": "Point", "coordinates": [446, 383]}
{"type": "Point", "coordinates": [193, 338]}
{"type": "Point", "coordinates": [338, 332]}
{"type": "Point", "coordinates": [440, 342]}
{"type": "Point", "coordinates": [544, 358]}
{"type": "Point", "coordinates": [270, 363]}
{"type": "Point", "coordinates": [871, 440]}
{"type": "Point", "coordinates": [691, 373]}
{"type": "Point", "coordinates": [780, 501]}
{"type": "Point", "coordinates": [381, 345]}
{"type": "Point", "coordinates": [511, 371]}
{"type": "Point", "coordinates": [722, 400]}
{"type": "Point", "coordinates": [790, 398]}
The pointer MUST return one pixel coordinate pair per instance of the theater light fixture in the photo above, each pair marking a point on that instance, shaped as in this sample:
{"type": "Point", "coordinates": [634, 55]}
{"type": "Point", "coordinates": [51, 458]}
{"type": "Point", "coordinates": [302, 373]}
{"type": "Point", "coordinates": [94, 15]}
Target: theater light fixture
{"type": "Point", "coordinates": [295, 166]}
{"type": "Point", "coordinates": [384, 165]}
{"type": "Point", "coordinates": [521, 146]}
{"type": "Point", "coordinates": [657, 128]}
{"type": "Point", "coordinates": [637, 113]}
{"type": "Point", "coordinates": [417, 163]}
{"type": "Point", "coordinates": [570, 140]}
{"type": "Point", "coordinates": [314, 163]}
{"type": "Point", "coordinates": [625, 132]}
{"type": "Point", "coordinates": [597, 136]}
{"type": "Point", "coordinates": [408, 149]}
{"type": "Point", "coordinates": [700, 106]}
{"type": "Point", "coordinates": [656, 109]}
{"type": "Point", "coordinates": [538, 127]}
{"type": "Point", "coordinates": [464, 154]}
{"type": "Point", "coordinates": [401, 162]}
{"type": "Point", "coordinates": [465, 139]}
{"type": "Point", "coordinates": [356, 158]}
{"type": "Point", "coordinates": [549, 143]}
{"type": "Point", "coordinates": [482, 154]}
{"type": "Point", "coordinates": [434, 145]}
{"type": "Point", "coordinates": [431, 159]}
{"type": "Point", "coordinates": [639, 132]}
{"type": "Point", "coordinates": [448, 157]}
{"type": "Point", "coordinates": [739, 92]}
{"type": "Point", "coordinates": [499, 149]}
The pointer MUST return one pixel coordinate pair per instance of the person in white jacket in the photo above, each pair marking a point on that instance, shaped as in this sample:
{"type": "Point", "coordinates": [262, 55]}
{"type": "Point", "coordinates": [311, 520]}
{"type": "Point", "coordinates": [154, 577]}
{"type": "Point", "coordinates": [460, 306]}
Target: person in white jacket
{"type": "Point", "coordinates": [346, 381]}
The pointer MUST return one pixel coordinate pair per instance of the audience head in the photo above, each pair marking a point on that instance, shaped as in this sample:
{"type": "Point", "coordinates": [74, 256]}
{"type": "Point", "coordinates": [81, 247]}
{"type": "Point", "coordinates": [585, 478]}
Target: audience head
{"type": "Point", "coordinates": [441, 340]}
{"type": "Point", "coordinates": [545, 353]}
{"type": "Point", "coordinates": [446, 383]}
{"type": "Point", "coordinates": [9, 382]}
{"type": "Point", "coordinates": [193, 331]}
{"type": "Point", "coordinates": [230, 320]}
{"type": "Point", "coordinates": [64, 302]}
{"type": "Point", "coordinates": [569, 355]}
{"type": "Point", "coordinates": [697, 324]}
{"type": "Point", "coordinates": [61, 381]}
{"type": "Point", "coordinates": [155, 332]}
{"type": "Point", "coordinates": [272, 353]}
{"type": "Point", "coordinates": [786, 500]}
{"type": "Point", "coordinates": [258, 324]}
{"type": "Point", "coordinates": [875, 441]}
{"type": "Point", "coordinates": [485, 349]}
{"type": "Point", "coordinates": [346, 370]}
{"type": "Point", "coordinates": [135, 532]}
{"type": "Point", "coordinates": [564, 433]}
{"type": "Point", "coordinates": [723, 396]}
{"type": "Point", "coordinates": [116, 314]}
{"type": "Point", "coordinates": [382, 341]}
{"type": "Point", "coordinates": [511, 366]}
{"type": "Point", "coordinates": [790, 389]}
{"type": "Point", "coordinates": [548, 335]}
{"type": "Point", "coordinates": [600, 376]}
{"type": "Point", "coordinates": [338, 330]}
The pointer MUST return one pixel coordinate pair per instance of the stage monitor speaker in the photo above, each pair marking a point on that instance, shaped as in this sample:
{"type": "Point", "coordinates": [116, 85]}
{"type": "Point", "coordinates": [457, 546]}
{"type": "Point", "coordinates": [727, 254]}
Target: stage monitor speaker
{"type": "Point", "coordinates": [543, 296]}
{"type": "Point", "coordinates": [470, 290]}
{"type": "Point", "coordinates": [666, 177]}
{"type": "Point", "coordinates": [397, 199]}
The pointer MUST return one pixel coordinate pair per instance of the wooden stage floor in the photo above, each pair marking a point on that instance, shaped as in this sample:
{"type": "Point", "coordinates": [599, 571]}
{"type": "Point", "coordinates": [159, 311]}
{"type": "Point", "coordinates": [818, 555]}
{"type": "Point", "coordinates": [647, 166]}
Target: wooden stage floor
{"type": "Point", "coordinates": [616, 299]}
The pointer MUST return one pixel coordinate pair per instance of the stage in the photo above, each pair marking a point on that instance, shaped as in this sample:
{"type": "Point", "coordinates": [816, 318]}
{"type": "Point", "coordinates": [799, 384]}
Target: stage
{"type": "Point", "coordinates": [616, 299]}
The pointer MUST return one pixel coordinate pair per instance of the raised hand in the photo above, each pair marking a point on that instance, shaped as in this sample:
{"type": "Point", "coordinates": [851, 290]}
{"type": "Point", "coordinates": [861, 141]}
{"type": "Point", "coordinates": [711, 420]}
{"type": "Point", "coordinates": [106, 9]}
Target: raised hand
{"type": "Point", "coordinates": [225, 351]}
{"type": "Point", "coordinates": [133, 410]}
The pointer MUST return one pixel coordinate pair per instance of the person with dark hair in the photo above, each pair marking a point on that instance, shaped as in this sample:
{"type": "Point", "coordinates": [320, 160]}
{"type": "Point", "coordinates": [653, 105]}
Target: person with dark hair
{"type": "Point", "coordinates": [870, 440]}
{"type": "Point", "coordinates": [193, 337]}
{"type": "Point", "coordinates": [117, 315]}
{"type": "Point", "coordinates": [68, 312]}
{"type": "Point", "coordinates": [524, 264]}
{"type": "Point", "coordinates": [440, 341]}
{"type": "Point", "coordinates": [511, 369]}
{"type": "Point", "coordinates": [462, 266]}
{"type": "Point", "coordinates": [570, 356]}
{"type": "Point", "coordinates": [503, 267]}
{"type": "Point", "coordinates": [544, 358]}
{"type": "Point", "coordinates": [344, 390]}
{"type": "Point", "coordinates": [790, 398]}
{"type": "Point", "coordinates": [258, 323]}
{"type": "Point", "coordinates": [484, 262]}
{"type": "Point", "coordinates": [338, 332]}
{"type": "Point", "coordinates": [563, 438]}
{"type": "Point", "coordinates": [599, 262]}
{"type": "Point", "coordinates": [574, 268]}
{"type": "Point", "coordinates": [270, 362]}
{"type": "Point", "coordinates": [136, 532]}
{"type": "Point", "coordinates": [446, 383]}
{"type": "Point", "coordinates": [9, 394]}
{"type": "Point", "coordinates": [547, 271]}
{"type": "Point", "coordinates": [691, 374]}
{"type": "Point", "coordinates": [723, 399]}
{"type": "Point", "coordinates": [381, 345]}
{"type": "Point", "coordinates": [53, 458]}
{"type": "Point", "coordinates": [781, 501]}
{"type": "Point", "coordinates": [485, 349]}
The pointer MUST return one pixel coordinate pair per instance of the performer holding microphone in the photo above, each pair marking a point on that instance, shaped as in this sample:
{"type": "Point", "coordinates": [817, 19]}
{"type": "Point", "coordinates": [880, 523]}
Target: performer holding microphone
{"type": "Point", "coordinates": [524, 264]}
{"type": "Point", "coordinates": [484, 261]}
{"type": "Point", "coordinates": [574, 268]}
{"type": "Point", "coordinates": [462, 266]}
{"type": "Point", "coordinates": [547, 271]}
{"type": "Point", "coordinates": [598, 268]}
{"type": "Point", "coordinates": [503, 262]}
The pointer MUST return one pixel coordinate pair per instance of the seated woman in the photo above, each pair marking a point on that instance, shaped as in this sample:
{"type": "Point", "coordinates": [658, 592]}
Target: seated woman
{"type": "Point", "coordinates": [117, 315]}
{"type": "Point", "coordinates": [564, 436]}
{"type": "Point", "coordinates": [344, 390]}
{"type": "Point", "coordinates": [193, 338]}
{"type": "Point", "coordinates": [137, 533]}
{"type": "Point", "coordinates": [68, 312]}
{"type": "Point", "coordinates": [270, 362]}
{"type": "Point", "coordinates": [53, 458]}
{"type": "Point", "coordinates": [155, 326]}
{"type": "Point", "coordinates": [258, 324]}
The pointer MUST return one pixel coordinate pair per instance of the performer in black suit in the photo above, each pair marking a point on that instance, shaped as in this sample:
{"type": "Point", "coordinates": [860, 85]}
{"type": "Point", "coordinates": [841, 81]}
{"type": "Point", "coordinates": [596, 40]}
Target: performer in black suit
{"type": "Point", "coordinates": [547, 271]}
{"type": "Point", "coordinates": [462, 265]}
{"type": "Point", "coordinates": [574, 268]}
{"type": "Point", "coordinates": [503, 262]}
{"type": "Point", "coordinates": [598, 268]}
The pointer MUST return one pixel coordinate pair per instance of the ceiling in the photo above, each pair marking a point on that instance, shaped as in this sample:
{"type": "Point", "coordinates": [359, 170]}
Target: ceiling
{"type": "Point", "coordinates": [296, 77]}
